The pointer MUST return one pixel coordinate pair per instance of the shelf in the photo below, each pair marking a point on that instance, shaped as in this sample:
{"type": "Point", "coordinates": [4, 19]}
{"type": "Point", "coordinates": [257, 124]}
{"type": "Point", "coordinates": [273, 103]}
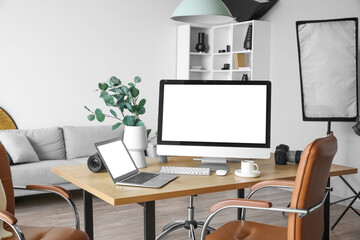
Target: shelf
{"type": "Point", "coordinates": [222, 54]}
{"type": "Point", "coordinates": [242, 69]}
{"type": "Point", "coordinates": [243, 51]}
{"type": "Point", "coordinates": [254, 62]}
{"type": "Point", "coordinates": [200, 54]}
{"type": "Point", "coordinates": [199, 70]}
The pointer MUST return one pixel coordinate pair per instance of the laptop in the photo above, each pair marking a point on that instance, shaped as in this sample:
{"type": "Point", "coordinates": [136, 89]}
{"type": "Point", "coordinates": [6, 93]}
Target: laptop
{"type": "Point", "coordinates": [122, 168]}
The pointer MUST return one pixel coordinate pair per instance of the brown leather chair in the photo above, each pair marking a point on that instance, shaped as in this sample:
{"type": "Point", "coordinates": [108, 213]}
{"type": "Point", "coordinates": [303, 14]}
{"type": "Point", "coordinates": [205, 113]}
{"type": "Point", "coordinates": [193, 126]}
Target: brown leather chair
{"type": "Point", "coordinates": [306, 212]}
{"type": "Point", "coordinates": [33, 233]}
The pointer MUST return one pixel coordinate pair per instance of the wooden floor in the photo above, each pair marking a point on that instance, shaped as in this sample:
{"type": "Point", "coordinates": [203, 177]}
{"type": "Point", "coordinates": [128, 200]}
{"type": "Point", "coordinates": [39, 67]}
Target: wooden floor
{"type": "Point", "coordinates": [126, 222]}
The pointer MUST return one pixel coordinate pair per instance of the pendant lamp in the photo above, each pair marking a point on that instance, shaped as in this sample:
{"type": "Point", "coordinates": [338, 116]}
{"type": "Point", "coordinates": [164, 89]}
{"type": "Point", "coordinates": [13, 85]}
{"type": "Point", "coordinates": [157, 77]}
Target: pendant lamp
{"type": "Point", "coordinates": [202, 12]}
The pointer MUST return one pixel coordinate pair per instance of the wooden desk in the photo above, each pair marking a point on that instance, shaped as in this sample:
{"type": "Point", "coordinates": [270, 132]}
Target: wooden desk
{"type": "Point", "coordinates": [101, 185]}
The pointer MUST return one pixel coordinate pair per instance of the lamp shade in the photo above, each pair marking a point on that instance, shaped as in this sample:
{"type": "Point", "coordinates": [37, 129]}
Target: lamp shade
{"type": "Point", "coordinates": [202, 12]}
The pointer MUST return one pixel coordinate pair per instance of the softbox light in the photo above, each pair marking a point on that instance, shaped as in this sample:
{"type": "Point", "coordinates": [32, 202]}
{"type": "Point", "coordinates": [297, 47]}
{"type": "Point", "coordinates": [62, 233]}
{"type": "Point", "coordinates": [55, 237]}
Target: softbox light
{"type": "Point", "coordinates": [328, 53]}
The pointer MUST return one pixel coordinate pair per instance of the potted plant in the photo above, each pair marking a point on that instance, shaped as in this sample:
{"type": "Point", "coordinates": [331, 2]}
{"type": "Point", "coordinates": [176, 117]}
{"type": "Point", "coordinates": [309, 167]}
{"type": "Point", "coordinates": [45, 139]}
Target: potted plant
{"type": "Point", "coordinates": [125, 99]}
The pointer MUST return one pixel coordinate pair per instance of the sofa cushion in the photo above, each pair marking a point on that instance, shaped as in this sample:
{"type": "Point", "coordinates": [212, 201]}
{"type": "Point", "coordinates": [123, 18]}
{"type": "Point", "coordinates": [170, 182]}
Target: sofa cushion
{"type": "Point", "coordinates": [79, 140]}
{"type": "Point", "coordinates": [40, 172]}
{"type": "Point", "coordinates": [48, 143]}
{"type": "Point", "coordinates": [18, 147]}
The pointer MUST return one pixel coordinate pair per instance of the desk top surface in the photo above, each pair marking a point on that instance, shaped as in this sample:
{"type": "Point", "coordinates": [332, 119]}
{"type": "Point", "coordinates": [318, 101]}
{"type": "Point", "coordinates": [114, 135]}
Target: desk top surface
{"type": "Point", "coordinates": [101, 185]}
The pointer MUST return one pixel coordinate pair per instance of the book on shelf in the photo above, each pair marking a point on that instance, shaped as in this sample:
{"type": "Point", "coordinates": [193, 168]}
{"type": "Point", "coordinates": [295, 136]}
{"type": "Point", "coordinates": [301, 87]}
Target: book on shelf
{"type": "Point", "coordinates": [240, 60]}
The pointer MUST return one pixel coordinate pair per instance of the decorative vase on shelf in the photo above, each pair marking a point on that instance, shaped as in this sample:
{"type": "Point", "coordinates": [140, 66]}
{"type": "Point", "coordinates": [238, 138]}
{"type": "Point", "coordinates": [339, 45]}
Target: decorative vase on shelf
{"type": "Point", "coordinates": [248, 38]}
{"type": "Point", "coordinates": [245, 77]}
{"type": "Point", "coordinates": [3, 233]}
{"type": "Point", "coordinates": [135, 140]}
{"type": "Point", "coordinates": [201, 46]}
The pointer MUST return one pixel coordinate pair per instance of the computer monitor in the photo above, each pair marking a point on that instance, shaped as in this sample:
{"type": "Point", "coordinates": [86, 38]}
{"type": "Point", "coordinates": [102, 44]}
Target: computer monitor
{"type": "Point", "coordinates": [214, 120]}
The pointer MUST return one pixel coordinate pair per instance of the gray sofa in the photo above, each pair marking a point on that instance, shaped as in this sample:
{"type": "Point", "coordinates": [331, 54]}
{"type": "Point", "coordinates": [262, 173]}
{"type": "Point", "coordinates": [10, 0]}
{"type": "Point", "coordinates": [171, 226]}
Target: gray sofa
{"type": "Point", "coordinates": [32, 153]}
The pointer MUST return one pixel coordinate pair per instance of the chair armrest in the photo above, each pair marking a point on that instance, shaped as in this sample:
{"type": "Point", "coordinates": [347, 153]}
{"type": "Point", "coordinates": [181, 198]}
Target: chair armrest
{"type": "Point", "coordinates": [241, 202]}
{"type": "Point", "coordinates": [12, 222]}
{"type": "Point", "coordinates": [8, 217]}
{"type": "Point", "coordinates": [51, 188]}
{"type": "Point", "coordinates": [65, 194]}
{"type": "Point", "coordinates": [273, 183]}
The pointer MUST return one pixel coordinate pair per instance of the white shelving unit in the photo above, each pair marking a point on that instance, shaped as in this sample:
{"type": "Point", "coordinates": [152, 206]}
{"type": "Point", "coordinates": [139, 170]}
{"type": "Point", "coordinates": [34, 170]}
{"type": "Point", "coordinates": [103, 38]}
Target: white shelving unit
{"type": "Point", "coordinates": [208, 65]}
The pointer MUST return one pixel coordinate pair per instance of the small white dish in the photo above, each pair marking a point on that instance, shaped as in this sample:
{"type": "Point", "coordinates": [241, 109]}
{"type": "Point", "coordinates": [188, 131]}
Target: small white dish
{"type": "Point", "coordinates": [249, 175]}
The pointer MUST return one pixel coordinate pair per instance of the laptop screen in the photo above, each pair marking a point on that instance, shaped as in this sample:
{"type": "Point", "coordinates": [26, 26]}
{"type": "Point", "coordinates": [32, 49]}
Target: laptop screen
{"type": "Point", "coordinates": [116, 157]}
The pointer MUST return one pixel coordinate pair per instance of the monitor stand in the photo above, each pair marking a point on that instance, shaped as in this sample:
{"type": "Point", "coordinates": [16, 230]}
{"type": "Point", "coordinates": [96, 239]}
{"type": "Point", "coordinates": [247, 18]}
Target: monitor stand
{"type": "Point", "coordinates": [213, 163]}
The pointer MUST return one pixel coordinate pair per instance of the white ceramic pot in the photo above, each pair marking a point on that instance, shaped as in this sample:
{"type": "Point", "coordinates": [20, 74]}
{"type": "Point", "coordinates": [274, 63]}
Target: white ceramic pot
{"type": "Point", "coordinates": [3, 233]}
{"type": "Point", "coordinates": [135, 140]}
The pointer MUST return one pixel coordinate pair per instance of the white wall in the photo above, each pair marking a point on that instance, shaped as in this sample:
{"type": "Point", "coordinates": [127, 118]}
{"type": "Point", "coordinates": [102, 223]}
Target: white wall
{"type": "Point", "coordinates": [54, 52]}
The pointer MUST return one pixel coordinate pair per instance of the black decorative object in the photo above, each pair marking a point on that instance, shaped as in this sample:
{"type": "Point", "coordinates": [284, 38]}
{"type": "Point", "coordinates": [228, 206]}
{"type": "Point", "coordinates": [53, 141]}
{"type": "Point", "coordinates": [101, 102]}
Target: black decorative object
{"type": "Point", "coordinates": [356, 127]}
{"type": "Point", "coordinates": [201, 46]}
{"type": "Point", "coordinates": [245, 77]}
{"type": "Point", "coordinates": [228, 48]}
{"type": "Point", "coordinates": [245, 10]}
{"type": "Point", "coordinates": [226, 66]}
{"type": "Point", "coordinates": [248, 38]}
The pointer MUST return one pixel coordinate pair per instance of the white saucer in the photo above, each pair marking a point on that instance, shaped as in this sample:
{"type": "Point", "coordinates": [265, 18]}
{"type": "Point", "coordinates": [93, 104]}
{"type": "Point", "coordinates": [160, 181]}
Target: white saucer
{"type": "Point", "coordinates": [249, 175]}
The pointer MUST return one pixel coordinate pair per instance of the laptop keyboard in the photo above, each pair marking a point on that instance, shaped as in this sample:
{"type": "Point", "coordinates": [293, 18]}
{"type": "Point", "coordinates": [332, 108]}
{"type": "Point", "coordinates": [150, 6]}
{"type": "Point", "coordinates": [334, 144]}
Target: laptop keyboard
{"type": "Point", "coordinates": [140, 178]}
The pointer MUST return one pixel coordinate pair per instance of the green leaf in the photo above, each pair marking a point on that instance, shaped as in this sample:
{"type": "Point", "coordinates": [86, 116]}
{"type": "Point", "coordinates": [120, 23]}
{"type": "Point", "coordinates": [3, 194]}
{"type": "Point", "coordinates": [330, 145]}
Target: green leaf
{"type": "Point", "coordinates": [131, 84]}
{"type": "Point", "coordinates": [129, 107]}
{"type": "Point", "coordinates": [139, 110]}
{"type": "Point", "coordinates": [142, 102]}
{"type": "Point", "coordinates": [115, 81]}
{"type": "Point", "coordinates": [129, 120]}
{"type": "Point", "coordinates": [148, 131]}
{"type": "Point", "coordinates": [125, 90]}
{"type": "Point", "coordinates": [137, 79]}
{"type": "Point", "coordinates": [116, 90]}
{"type": "Point", "coordinates": [108, 99]}
{"type": "Point", "coordinates": [134, 92]}
{"type": "Point", "coordinates": [120, 104]}
{"type": "Point", "coordinates": [99, 115]}
{"type": "Point", "coordinates": [103, 86]}
{"type": "Point", "coordinates": [113, 113]}
{"type": "Point", "coordinates": [91, 117]}
{"type": "Point", "coordinates": [140, 123]}
{"type": "Point", "coordinates": [116, 125]}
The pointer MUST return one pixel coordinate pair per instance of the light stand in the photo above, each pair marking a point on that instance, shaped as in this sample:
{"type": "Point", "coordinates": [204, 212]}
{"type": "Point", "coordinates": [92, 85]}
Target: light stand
{"type": "Point", "coordinates": [328, 64]}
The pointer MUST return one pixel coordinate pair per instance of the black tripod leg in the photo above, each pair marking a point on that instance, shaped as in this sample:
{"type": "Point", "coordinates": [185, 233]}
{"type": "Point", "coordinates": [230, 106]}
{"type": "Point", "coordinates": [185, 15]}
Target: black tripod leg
{"type": "Point", "coordinates": [347, 208]}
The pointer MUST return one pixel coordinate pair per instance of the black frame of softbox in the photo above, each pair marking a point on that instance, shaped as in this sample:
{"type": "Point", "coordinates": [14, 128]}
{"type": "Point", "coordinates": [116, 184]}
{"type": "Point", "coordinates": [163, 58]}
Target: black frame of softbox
{"type": "Point", "coordinates": [329, 119]}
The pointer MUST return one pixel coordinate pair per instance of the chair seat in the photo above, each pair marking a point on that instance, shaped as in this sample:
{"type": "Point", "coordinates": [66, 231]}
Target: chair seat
{"type": "Point", "coordinates": [239, 230]}
{"type": "Point", "coordinates": [50, 233]}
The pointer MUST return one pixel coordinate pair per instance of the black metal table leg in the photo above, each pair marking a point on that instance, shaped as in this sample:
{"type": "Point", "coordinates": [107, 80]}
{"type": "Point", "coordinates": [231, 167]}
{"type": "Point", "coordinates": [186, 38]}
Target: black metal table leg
{"type": "Point", "coordinates": [149, 220]}
{"type": "Point", "coordinates": [88, 214]}
{"type": "Point", "coordinates": [240, 194]}
{"type": "Point", "coordinates": [326, 235]}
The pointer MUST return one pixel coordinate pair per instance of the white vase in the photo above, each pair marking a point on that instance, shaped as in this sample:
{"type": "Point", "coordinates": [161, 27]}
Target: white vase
{"type": "Point", "coordinates": [135, 140]}
{"type": "Point", "coordinates": [3, 233]}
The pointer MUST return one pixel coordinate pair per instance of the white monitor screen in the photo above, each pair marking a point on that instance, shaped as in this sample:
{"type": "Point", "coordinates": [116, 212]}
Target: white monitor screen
{"type": "Point", "coordinates": [215, 113]}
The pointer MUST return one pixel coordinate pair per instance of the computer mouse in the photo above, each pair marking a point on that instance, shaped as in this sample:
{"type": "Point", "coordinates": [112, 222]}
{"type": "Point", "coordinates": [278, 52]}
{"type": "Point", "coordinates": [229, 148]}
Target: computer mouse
{"type": "Point", "coordinates": [221, 172]}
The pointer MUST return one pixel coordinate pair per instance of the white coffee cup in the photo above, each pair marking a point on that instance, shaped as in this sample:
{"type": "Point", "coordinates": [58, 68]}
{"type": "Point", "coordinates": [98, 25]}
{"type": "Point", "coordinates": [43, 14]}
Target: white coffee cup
{"type": "Point", "coordinates": [249, 167]}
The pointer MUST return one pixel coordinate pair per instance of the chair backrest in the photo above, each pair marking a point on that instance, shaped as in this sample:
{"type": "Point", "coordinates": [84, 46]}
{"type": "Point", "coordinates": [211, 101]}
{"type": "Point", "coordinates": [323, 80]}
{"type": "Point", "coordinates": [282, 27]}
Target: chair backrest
{"type": "Point", "coordinates": [309, 190]}
{"type": "Point", "coordinates": [6, 179]}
